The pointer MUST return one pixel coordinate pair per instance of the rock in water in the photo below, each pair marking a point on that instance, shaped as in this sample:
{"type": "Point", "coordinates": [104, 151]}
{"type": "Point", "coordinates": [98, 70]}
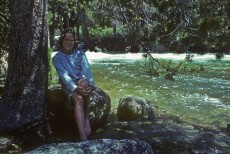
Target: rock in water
{"type": "Point", "coordinates": [134, 108]}
{"type": "Point", "coordinates": [100, 146]}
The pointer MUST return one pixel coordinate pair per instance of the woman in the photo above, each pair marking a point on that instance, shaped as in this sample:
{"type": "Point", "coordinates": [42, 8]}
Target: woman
{"type": "Point", "coordinates": [72, 65]}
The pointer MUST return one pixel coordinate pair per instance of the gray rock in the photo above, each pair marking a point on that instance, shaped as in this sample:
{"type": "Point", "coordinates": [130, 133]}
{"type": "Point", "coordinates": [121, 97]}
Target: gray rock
{"type": "Point", "coordinates": [100, 146]}
{"type": "Point", "coordinates": [99, 108]}
{"type": "Point", "coordinates": [134, 108]}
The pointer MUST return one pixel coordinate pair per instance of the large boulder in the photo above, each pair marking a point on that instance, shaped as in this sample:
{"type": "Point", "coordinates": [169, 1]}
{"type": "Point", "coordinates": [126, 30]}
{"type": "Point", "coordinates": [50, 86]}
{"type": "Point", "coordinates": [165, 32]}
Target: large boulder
{"type": "Point", "coordinates": [134, 108]}
{"type": "Point", "coordinates": [99, 108]}
{"type": "Point", "coordinates": [100, 146]}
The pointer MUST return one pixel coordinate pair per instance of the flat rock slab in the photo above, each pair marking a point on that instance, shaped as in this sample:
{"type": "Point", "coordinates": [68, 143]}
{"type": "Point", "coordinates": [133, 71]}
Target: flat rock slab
{"type": "Point", "coordinates": [100, 146]}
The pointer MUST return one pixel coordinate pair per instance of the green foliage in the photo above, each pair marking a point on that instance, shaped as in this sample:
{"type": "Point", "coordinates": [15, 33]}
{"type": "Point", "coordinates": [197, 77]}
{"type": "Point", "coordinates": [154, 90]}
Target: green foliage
{"type": "Point", "coordinates": [189, 57]}
{"type": "Point", "coordinates": [168, 68]}
{"type": "Point", "coordinates": [177, 25]}
{"type": "Point", "coordinates": [100, 32]}
{"type": "Point", "coordinates": [49, 17]}
{"type": "Point", "coordinates": [52, 74]}
{"type": "Point", "coordinates": [219, 56]}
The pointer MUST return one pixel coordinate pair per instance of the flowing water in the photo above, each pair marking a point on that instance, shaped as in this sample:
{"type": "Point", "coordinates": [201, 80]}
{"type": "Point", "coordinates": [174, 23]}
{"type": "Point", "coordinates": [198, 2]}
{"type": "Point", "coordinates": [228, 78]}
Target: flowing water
{"type": "Point", "coordinates": [202, 100]}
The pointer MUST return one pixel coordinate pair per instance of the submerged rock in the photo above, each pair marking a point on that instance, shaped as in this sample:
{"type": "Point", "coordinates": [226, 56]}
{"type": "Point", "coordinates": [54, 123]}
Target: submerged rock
{"type": "Point", "coordinates": [99, 108]}
{"type": "Point", "coordinates": [100, 146]}
{"type": "Point", "coordinates": [134, 108]}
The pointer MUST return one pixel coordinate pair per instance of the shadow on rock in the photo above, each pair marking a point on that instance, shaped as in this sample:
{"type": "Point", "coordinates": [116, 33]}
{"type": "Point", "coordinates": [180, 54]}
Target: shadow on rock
{"type": "Point", "coordinates": [101, 146]}
{"type": "Point", "coordinates": [63, 123]}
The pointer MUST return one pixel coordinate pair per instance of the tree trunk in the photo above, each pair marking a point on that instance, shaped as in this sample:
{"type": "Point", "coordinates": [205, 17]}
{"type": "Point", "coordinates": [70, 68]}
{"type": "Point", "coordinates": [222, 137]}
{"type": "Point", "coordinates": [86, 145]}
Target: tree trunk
{"type": "Point", "coordinates": [85, 31]}
{"type": "Point", "coordinates": [52, 26]}
{"type": "Point", "coordinates": [24, 98]}
{"type": "Point", "coordinates": [65, 21]}
{"type": "Point", "coordinates": [78, 21]}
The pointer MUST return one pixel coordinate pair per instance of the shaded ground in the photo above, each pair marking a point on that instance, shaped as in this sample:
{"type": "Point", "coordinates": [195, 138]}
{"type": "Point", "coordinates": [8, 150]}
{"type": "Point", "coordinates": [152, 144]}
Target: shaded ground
{"type": "Point", "coordinates": [166, 134]}
{"type": "Point", "coordinates": [169, 135]}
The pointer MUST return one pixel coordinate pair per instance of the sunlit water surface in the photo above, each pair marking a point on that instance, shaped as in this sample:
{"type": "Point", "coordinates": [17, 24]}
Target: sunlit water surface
{"type": "Point", "coordinates": [202, 100]}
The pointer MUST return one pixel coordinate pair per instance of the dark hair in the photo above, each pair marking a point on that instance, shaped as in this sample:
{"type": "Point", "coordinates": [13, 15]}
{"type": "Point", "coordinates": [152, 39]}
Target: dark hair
{"type": "Point", "coordinates": [61, 38]}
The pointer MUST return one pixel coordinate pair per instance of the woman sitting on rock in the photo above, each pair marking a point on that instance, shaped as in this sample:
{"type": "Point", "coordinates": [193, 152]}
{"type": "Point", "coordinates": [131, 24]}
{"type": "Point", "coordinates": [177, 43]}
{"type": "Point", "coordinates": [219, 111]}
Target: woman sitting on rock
{"type": "Point", "coordinates": [76, 79]}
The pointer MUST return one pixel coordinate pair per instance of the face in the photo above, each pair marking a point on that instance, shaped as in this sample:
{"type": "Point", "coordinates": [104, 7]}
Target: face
{"type": "Point", "coordinates": [68, 43]}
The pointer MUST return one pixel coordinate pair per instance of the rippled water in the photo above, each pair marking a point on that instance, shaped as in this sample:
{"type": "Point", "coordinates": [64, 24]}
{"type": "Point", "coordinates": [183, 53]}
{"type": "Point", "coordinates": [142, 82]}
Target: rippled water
{"type": "Point", "coordinates": [202, 100]}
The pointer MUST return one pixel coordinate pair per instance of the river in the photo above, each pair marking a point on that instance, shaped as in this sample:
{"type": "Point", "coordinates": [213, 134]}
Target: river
{"type": "Point", "coordinates": [201, 103]}
{"type": "Point", "coordinates": [202, 100]}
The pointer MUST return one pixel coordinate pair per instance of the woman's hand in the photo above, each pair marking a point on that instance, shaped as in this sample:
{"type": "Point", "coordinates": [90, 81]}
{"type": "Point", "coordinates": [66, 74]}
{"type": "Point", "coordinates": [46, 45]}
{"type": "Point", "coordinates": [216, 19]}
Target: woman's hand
{"type": "Point", "coordinates": [85, 92]}
{"type": "Point", "coordinates": [89, 89]}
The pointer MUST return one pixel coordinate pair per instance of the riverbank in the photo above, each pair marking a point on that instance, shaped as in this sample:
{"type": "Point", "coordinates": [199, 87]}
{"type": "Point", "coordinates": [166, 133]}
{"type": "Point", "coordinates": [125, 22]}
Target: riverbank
{"type": "Point", "coordinates": [195, 109]}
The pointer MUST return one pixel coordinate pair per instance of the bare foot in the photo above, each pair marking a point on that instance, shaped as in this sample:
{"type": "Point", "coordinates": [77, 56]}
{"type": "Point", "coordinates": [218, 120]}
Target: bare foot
{"type": "Point", "coordinates": [87, 127]}
{"type": "Point", "coordinates": [83, 138]}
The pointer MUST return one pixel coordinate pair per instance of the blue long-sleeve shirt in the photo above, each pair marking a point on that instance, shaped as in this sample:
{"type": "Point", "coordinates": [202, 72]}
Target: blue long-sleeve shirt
{"type": "Point", "coordinates": [71, 68]}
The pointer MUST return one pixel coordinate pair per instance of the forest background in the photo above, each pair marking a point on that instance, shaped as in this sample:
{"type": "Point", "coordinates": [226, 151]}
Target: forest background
{"type": "Point", "coordinates": [133, 26]}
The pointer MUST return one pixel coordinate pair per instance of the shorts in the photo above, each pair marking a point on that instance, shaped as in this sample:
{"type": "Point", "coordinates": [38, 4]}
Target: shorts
{"type": "Point", "coordinates": [68, 93]}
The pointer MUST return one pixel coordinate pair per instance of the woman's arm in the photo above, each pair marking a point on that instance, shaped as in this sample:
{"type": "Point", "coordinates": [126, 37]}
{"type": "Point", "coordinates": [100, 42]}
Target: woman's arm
{"type": "Point", "coordinates": [63, 74]}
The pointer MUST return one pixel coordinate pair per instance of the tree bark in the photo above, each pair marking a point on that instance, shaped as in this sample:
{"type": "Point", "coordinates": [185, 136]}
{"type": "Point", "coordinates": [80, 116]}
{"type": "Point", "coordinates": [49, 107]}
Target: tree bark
{"type": "Point", "coordinates": [52, 26]}
{"type": "Point", "coordinates": [85, 31]}
{"type": "Point", "coordinates": [24, 98]}
{"type": "Point", "coordinates": [65, 21]}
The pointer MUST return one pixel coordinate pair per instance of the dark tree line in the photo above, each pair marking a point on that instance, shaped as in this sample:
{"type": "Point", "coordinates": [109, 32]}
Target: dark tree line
{"type": "Point", "coordinates": [178, 26]}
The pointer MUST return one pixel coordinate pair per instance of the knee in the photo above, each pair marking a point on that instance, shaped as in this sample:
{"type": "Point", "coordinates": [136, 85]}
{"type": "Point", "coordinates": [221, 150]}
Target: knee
{"type": "Point", "coordinates": [78, 101]}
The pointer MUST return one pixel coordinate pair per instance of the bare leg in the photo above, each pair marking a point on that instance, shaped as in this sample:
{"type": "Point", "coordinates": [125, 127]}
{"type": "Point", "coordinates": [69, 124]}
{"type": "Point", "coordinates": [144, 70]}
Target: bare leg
{"type": "Point", "coordinates": [79, 116]}
{"type": "Point", "coordinates": [86, 114]}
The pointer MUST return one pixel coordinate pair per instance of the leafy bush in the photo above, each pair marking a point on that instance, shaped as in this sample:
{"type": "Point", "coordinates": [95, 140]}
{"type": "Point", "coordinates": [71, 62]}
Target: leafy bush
{"type": "Point", "coordinates": [168, 68]}
{"type": "Point", "coordinates": [52, 74]}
